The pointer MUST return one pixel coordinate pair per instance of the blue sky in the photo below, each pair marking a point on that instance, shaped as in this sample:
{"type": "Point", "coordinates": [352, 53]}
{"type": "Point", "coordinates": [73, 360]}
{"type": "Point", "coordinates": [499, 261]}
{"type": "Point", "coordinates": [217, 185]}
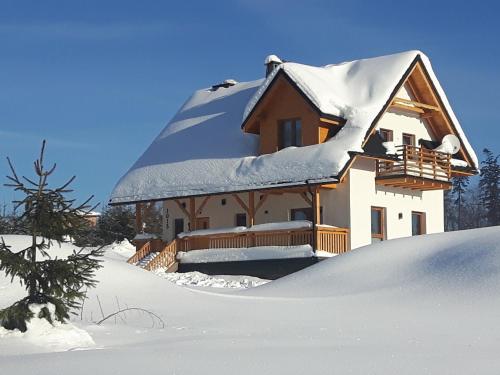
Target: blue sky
{"type": "Point", "coordinates": [100, 79]}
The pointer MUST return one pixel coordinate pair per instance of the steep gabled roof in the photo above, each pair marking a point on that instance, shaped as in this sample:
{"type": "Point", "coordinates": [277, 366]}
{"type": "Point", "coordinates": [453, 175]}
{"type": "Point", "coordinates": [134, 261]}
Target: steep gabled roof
{"type": "Point", "coordinates": [202, 150]}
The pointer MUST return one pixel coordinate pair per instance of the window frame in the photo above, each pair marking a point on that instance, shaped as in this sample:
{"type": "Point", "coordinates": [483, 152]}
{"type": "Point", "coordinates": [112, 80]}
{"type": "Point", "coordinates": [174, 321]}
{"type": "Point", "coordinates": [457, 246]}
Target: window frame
{"type": "Point", "coordinates": [382, 235]}
{"type": "Point", "coordinates": [240, 214]}
{"type": "Point", "coordinates": [422, 222]}
{"type": "Point", "coordinates": [281, 125]}
{"type": "Point", "coordinates": [388, 132]}
{"type": "Point", "coordinates": [412, 139]}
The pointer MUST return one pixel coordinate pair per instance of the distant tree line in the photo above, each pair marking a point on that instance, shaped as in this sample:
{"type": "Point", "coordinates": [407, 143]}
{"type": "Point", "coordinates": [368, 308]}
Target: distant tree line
{"type": "Point", "coordinates": [475, 205]}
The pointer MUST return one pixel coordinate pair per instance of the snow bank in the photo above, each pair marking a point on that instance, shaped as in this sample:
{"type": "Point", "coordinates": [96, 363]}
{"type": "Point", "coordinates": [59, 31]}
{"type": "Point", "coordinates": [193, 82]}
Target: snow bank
{"type": "Point", "coordinates": [198, 279]}
{"type": "Point", "coordinates": [203, 150]}
{"type": "Point", "coordinates": [123, 249]}
{"type": "Point", "coordinates": [51, 337]}
{"type": "Point", "coordinates": [249, 253]}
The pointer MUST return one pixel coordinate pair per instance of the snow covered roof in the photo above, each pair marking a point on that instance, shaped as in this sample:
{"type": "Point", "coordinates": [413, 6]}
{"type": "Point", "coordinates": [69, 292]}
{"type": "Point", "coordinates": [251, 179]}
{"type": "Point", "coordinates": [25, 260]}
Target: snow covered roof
{"type": "Point", "coordinates": [203, 150]}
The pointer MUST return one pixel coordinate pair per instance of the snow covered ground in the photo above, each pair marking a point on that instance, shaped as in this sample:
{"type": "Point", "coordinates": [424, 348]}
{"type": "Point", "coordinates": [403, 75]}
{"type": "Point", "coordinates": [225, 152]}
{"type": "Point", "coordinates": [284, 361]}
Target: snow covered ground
{"type": "Point", "coordinates": [197, 279]}
{"type": "Point", "coordinates": [422, 305]}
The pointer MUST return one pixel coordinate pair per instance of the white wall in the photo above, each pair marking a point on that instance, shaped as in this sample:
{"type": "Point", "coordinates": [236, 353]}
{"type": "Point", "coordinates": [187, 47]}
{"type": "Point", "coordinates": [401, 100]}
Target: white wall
{"type": "Point", "coordinates": [364, 194]}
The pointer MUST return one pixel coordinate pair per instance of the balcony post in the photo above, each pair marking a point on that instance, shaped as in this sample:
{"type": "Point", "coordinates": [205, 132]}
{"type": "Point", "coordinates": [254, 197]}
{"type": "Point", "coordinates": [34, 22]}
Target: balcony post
{"type": "Point", "coordinates": [251, 208]}
{"type": "Point", "coordinates": [192, 213]}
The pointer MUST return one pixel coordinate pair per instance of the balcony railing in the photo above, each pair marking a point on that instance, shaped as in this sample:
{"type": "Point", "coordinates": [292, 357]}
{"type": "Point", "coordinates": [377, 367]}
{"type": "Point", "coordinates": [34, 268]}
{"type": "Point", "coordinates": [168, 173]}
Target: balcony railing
{"type": "Point", "coordinates": [416, 162]}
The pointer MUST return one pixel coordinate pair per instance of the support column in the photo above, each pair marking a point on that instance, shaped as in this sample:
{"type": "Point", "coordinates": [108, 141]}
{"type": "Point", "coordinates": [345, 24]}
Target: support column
{"type": "Point", "coordinates": [138, 217]}
{"type": "Point", "coordinates": [251, 209]}
{"type": "Point", "coordinates": [192, 213]}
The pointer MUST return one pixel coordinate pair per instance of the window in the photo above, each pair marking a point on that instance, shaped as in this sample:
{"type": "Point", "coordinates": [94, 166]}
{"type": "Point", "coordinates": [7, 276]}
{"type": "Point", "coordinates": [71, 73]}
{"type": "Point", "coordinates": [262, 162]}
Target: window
{"type": "Point", "coordinates": [386, 135]}
{"type": "Point", "coordinates": [290, 133]}
{"type": "Point", "coordinates": [378, 224]}
{"type": "Point", "coordinates": [408, 139]}
{"type": "Point", "coordinates": [241, 220]}
{"type": "Point", "coordinates": [178, 226]}
{"type": "Point", "coordinates": [417, 223]}
{"type": "Point", "coordinates": [305, 214]}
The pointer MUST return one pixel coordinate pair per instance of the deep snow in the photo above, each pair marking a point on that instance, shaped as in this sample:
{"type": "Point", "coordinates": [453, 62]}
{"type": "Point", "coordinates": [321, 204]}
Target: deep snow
{"type": "Point", "coordinates": [422, 305]}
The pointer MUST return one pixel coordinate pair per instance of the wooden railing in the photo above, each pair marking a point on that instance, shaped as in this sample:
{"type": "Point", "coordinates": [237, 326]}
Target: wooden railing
{"type": "Point", "coordinates": [417, 162]}
{"type": "Point", "coordinates": [332, 240]}
{"type": "Point", "coordinates": [145, 250]}
{"type": "Point", "coordinates": [165, 258]}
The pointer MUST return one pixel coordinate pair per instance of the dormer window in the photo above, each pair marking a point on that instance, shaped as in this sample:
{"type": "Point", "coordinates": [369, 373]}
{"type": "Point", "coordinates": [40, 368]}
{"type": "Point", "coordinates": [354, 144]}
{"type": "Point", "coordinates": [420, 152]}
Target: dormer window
{"type": "Point", "coordinates": [290, 133]}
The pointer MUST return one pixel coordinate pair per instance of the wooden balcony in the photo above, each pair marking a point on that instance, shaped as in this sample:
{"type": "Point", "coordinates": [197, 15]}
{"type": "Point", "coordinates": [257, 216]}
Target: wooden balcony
{"type": "Point", "coordinates": [415, 168]}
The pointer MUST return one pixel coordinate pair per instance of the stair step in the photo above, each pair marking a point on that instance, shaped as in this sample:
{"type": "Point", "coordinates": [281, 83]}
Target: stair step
{"type": "Point", "coordinates": [148, 258]}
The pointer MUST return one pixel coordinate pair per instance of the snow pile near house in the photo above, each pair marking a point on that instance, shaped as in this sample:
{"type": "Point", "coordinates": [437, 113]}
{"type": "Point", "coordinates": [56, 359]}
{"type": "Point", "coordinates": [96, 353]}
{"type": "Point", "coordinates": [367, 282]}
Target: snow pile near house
{"type": "Point", "coordinates": [245, 253]}
{"type": "Point", "coordinates": [197, 279]}
{"type": "Point", "coordinates": [50, 337]}
{"type": "Point", "coordinates": [123, 249]}
{"type": "Point", "coordinates": [203, 150]}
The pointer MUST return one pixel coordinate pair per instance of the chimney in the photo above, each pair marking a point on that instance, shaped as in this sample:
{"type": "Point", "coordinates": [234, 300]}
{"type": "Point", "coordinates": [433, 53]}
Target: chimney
{"type": "Point", "coordinates": [227, 83]}
{"type": "Point", "coordinates": [272, 62]}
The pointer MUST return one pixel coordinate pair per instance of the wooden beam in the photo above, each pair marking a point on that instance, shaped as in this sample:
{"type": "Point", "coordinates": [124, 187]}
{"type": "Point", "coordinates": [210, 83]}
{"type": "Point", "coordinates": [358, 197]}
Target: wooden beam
{"type": "Point", "coordinates": [329, 121]}
{"type": "Point", "coordinates": [329, 186]}
{"type": "Point", "coordinates": [138, 217]}
{"type": "Point", "coordinates": [261, 202]}
{"type": "Point", "coordinates": [183, 209]}
{"type": "Point", "coordinates": [241, 203]}
{"type": "Point", "coordinates": [407, 108]}
{"type": "Point", "coordinates": [251, 208]}
{"type": "Point", "coordinates": [203, 204]}
{"type": "Point", "coordinates": [306, 198]}
{"type": "Point", "coordinates": [192, 213]}
{"type": "Point", "coordinates": [415, 103]}
{"type": "Point", "coordinates": [316, 206]}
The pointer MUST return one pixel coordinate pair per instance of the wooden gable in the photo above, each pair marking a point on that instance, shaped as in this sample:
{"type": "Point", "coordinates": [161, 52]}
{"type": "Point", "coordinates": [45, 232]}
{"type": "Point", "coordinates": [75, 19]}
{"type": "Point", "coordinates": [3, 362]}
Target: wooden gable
{"type": "Point", "coordinates": [425, 102]}
{"type": "Point", "coordinates": [282, 101]}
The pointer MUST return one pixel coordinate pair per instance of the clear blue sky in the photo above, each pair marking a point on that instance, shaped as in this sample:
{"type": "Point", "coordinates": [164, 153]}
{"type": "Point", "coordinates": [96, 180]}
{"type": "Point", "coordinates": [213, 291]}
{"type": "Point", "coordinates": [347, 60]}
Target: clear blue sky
{"type": "Point", "coordinates": [99, 79]}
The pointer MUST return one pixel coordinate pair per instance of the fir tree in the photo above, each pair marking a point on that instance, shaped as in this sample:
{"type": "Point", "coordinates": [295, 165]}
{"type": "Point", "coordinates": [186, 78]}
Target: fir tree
{"type": "Point", "coordinates": [460, 184]}
{"type": "Point", "coordinates": [116, 224]}
{"type": "Point", "coordinates": [47, 216]}
{"type": "Point", "coordinates": [489, 185]}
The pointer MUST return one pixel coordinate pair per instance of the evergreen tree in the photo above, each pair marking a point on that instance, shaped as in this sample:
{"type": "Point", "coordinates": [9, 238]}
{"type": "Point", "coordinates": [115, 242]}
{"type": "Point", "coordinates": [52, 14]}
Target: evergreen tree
{"type": "Point", "coordinates": [47, 216]}
{"type": "Point", "coordinates": [151, 218]}
{"type": "Point", "coordinates": [489, 185]}
{"type": "Point", "coordinates": [459, 189]}
{"type": "Point", "coordinates": [116, 224]}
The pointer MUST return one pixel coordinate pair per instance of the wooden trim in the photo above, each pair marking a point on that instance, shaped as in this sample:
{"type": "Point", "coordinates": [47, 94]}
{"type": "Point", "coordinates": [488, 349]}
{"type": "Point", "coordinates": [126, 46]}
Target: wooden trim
{"type": "Point", "coordinates": [415, 104]}
{"type": "Point", "coordinates": [241, 203]}
{"type": "Point", "coordinates": [423, 222]}
{"type": "Point", "coordinates": [138, 217]}
{"type": "Point", "coordinates": [261, 202]}
{"type": "Point", "coordinates": [251, 208]}
{"type": "Point", "coordinates": [404, 107]}
{"type": "Point", "coordinates": [381, 235]}
{"type": "Point", "coordinates": [330, 121]}
{"type": "Point", "coordinates": [316, 204]}
{"type": "Point", "coordinates": [192, 213]}
{"type": "Point", "coordinates": [329, 186]}
{"type": "Point", "coordinates": [183, 209]}
{"type": "Point", "coordinates": [203, 204]}
{"type": "Point", "coordinates": [306, 198]}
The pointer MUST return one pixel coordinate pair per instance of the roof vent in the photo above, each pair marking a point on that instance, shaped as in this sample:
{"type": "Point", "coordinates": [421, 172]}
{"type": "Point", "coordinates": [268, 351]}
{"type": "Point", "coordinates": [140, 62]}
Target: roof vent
{"type": "Point", "coordinates": [227, 83]}
{"type": "Point", "coordinates": [272, 62]}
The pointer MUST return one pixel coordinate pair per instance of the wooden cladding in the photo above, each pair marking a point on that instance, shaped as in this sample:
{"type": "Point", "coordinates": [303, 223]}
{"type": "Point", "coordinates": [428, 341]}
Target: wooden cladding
{"type": "Point", "coordinates": [284, 106]}
{"type": "Point", "coordinates": [416, 168]}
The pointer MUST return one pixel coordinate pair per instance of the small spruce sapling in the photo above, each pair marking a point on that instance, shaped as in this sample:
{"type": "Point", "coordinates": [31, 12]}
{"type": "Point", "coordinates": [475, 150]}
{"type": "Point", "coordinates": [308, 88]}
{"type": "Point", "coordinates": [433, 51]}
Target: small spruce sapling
{"type": "Point", "coordinates": [47, 216]}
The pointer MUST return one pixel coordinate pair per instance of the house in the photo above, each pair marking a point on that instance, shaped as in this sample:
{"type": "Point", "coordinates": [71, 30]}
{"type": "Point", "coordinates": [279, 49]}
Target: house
{"type": "Point", "coordinates": [335, 157]}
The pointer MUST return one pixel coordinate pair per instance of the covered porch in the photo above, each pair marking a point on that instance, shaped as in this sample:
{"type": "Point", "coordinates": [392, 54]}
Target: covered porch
{"type": "Point", "coordinates": [304, 227]}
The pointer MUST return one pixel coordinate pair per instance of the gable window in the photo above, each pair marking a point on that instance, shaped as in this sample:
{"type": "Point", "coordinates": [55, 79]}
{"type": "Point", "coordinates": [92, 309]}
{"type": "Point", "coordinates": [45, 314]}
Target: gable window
{"type": "Point", "coordinates": [178, 226]}
{"type": "Point", "coordinates": [241, 220]}
{"type": "Point", "coordinates": [417, 223]}
{"type": "Point", "coordinates": [378, 224]}
{"type": "Point", "coordinates": [408, 139]}
{"type": "Point", "coordinates": [290, 133]}
{"type": "Point", "coordinates": [386, 135]}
